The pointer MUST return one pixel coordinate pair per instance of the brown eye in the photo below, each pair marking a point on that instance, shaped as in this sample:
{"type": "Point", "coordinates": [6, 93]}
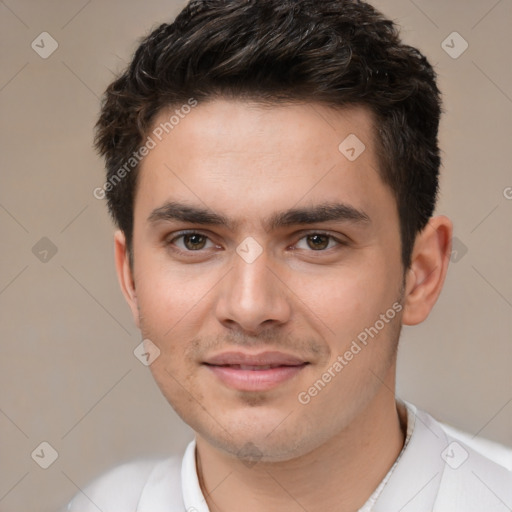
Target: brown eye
{"type": "Point", "coordinates": [194, 241]}
{"type": "Point", "coordinates": [318, 242]}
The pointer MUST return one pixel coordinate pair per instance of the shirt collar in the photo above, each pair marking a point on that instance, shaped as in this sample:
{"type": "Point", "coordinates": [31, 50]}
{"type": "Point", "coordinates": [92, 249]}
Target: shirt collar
{"type": "Point", "coordinates": [410, 421]}
{"type": "Point", "coordinates": [413, 484]}
{"type": "Point", "coordinates": [191, 490]}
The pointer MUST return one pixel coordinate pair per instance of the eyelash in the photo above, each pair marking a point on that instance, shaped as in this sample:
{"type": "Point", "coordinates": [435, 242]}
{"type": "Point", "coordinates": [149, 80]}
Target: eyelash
{"type": "Point", "coordinates": [181, 234]}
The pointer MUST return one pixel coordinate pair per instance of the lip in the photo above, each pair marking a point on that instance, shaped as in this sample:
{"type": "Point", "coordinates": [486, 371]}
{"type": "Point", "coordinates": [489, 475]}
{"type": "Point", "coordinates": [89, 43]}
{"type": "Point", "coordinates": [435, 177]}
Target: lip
{"type": "Point", "coordinates": [254, 372]}
{"type": "Point", "coordinates": [268, 358]}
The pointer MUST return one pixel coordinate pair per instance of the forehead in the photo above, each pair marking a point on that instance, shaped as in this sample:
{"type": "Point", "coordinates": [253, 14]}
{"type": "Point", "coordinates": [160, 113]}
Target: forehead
{"type": "Point", "coordinates": [225, 126]}
{"type": "Point", "coordinates": [241, 155]}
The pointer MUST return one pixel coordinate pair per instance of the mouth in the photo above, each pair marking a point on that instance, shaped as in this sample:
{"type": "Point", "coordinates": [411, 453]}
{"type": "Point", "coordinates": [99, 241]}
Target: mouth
{"type": "Point", "coordinates": [252, 367]}
{"type": "Point", "coordinates": [254, 372]}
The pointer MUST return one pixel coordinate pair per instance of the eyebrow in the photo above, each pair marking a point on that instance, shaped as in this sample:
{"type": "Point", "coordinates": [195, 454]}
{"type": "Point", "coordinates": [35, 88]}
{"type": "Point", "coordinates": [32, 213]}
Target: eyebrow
{"type": "Point", "coordinates": [340, 212]}
{"type": "Point", "coordinates": [317, 214]}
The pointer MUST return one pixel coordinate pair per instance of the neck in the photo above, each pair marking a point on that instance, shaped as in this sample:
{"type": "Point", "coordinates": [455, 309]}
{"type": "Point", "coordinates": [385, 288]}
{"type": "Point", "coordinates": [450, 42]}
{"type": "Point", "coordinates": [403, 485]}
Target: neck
{"type": "Point", "coordinates": [340, 475]}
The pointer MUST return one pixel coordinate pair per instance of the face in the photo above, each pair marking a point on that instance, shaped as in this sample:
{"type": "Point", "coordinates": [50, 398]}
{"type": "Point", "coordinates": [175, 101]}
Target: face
{"type": "Point", "coordinates": [267, 272]}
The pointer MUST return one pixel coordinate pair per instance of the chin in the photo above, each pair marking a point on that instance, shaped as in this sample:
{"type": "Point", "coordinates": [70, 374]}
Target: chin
{"type": "Point", "coordinates": [252, 449]}
{"type": "Point", "coordinates": [263, 436]}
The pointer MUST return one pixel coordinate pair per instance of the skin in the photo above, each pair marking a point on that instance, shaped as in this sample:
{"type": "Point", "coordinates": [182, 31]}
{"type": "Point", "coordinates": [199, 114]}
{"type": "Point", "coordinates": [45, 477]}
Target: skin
{"type": "Point", "coordinates": [309, 297]}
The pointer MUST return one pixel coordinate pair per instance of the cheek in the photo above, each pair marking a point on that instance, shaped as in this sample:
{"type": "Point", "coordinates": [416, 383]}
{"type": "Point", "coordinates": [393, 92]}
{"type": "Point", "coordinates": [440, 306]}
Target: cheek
{"type": "Point", "coordinates": [170, 300]}
{"type": "Point", "coordinates": [348, 300]}
{"type": "Point", "coordinates": [173, 305]}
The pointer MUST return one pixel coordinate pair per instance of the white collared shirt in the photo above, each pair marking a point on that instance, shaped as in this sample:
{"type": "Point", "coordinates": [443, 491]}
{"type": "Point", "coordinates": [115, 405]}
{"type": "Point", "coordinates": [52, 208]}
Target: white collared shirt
{"type": "Point", "coordinates": [434, 472]}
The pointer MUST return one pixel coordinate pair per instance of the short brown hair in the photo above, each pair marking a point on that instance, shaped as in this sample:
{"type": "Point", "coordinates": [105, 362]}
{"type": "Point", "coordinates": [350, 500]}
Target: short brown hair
{"type": "Point", "coordinates": [336, 52]}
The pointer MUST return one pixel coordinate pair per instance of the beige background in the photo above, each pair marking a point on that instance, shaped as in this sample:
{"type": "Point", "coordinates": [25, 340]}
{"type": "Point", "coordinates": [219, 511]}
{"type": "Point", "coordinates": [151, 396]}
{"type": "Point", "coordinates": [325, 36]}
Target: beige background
{"type": "Point", "coordinates": [68, 375]}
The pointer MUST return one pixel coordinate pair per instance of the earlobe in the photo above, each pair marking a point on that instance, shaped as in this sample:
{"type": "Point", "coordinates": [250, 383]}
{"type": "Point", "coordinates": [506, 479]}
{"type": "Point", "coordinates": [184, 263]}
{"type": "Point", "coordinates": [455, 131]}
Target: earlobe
{"type": "Point", "coordinates": [426, 276]}
{"type": "Point", "coordinates": [125, 275]}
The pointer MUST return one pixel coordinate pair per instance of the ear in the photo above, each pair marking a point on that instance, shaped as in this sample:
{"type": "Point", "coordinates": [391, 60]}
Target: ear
{"type": "Point", "coordinates": [426, 275]}
{"type": "Point", "coordinates": [124, 274]}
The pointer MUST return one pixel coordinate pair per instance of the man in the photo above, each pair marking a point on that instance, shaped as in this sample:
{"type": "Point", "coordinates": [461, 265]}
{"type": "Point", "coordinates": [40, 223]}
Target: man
{"type": "Point", "coordinates": [272, 166]}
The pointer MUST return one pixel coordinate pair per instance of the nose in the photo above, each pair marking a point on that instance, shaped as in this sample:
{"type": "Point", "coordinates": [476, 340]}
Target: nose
{"type": "Point", "coordinates": [252, 297]}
